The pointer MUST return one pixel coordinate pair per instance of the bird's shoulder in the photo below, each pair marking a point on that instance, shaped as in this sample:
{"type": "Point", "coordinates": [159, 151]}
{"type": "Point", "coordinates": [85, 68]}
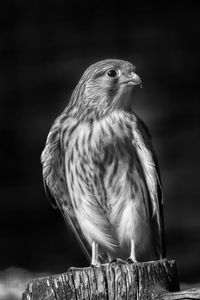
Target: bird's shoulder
{"type": "Point", "coordinates": [52, 160]}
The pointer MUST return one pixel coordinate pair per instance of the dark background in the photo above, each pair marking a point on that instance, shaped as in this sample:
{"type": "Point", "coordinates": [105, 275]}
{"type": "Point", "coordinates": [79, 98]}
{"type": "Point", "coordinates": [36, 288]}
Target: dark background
{"type": "Point", "coordinates": [44, 49]}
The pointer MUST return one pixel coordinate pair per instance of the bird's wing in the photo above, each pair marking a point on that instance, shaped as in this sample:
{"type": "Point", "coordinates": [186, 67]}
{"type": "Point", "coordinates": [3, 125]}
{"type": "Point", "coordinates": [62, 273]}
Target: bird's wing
{"type": "Point", "coordinates": [149, 165]}
{"type": "Point", "coordinates": [55, 184]}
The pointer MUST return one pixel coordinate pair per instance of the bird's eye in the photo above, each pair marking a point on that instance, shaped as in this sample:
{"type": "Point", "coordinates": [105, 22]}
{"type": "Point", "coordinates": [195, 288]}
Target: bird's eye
{"type": "Point", "coordinates": [112, 73]}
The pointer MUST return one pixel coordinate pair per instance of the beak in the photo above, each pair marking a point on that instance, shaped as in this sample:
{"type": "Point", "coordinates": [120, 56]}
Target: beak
{"type": "Point", "coordinates": [134, 80]}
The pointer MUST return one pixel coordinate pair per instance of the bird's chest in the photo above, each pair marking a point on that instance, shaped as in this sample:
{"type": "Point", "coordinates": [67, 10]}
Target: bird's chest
{"type": "Point", "coordinates": [104, 147]}
{"type": "Point", "coordinates": [113, 160]}
{"type": "Point", "coordinates": [111, 140]}
{"type": "Point", "coordinates": [102, 141]}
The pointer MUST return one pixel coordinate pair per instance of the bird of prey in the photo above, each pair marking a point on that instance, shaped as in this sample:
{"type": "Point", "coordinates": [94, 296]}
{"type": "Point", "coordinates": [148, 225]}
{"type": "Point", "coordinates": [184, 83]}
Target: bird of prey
{"type": "Point", "coordinates": [100, 167]}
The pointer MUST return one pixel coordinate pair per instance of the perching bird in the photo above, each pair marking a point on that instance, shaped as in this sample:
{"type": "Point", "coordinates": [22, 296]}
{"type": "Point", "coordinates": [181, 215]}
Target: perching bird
{"type": "Point", "coordinates": [101, 169]}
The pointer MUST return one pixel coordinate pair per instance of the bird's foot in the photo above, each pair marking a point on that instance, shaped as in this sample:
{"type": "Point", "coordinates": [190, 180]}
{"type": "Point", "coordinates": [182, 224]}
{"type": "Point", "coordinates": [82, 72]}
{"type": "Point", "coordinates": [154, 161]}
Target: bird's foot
{"type": "Point", "coordinates": [118, 261]}
{"type": "Point", "coordinates": [130, 260]}
{"type": "Point", "coordinates": [95, 263]}
{"type": "Point", "coordinates": [71, 269]}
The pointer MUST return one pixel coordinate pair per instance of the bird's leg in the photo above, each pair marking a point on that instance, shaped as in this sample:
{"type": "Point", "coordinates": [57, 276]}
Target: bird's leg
{"type": "Point", "coordinates": [95, 260]}
{"type": "Point", "coordinates": [132, 257]}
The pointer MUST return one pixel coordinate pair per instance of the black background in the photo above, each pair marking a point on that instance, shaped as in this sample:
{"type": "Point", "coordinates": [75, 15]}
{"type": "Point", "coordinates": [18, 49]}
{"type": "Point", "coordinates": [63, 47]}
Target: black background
{"type": "Point", "coordinates": [44, 48]}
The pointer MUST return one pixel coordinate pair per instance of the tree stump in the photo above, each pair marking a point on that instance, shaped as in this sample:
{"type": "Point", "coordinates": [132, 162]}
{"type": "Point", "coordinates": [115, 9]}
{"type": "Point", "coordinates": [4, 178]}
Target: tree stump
{"type": "Point", "coordinates": [146, 280]}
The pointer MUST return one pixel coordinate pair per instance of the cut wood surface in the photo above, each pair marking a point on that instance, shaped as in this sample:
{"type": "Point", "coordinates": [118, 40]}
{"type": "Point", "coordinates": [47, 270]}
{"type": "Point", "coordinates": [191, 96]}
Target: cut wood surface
{"type": "Point", "coordinates": [145, 280]}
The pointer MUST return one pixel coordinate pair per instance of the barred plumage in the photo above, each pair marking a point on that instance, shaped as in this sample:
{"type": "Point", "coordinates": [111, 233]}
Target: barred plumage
{"type": "Point", "coordinates": [100, 167]}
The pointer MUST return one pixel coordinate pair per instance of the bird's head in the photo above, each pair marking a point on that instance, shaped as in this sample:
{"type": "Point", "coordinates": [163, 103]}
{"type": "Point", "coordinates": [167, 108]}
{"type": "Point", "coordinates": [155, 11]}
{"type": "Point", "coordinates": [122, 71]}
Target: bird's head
{"type": "Point", "coordinates": [105, 86]}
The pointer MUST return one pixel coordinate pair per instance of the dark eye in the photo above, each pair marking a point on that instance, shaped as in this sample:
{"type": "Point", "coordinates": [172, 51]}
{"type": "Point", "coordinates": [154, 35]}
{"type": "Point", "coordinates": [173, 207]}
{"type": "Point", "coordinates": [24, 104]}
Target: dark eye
{"type": "Point", "coordinates": [112, 73]}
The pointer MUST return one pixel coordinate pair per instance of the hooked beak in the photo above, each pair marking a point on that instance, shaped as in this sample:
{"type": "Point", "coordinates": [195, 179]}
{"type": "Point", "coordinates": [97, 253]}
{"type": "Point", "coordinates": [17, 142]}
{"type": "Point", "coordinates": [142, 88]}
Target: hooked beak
{"type": "Point", "coordinates": [134, 80]}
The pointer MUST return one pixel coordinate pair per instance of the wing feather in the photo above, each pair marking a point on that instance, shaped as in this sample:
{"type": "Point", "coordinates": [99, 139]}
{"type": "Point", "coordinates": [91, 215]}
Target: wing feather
{"type": "Point", "coordinates": [149, 165]}
{"type": "Point", "coordinates": [55, 184]}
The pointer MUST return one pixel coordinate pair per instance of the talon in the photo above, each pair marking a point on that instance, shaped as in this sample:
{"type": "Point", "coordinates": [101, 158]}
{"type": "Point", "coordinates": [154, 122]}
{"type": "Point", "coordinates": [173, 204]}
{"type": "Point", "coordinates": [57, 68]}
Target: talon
{"type": "Point", "coordinates": [72, 269]}
{"type": "Point", "coordinates": [130, 260]}
{"type": "Point", "coordinates": [104, 265]}
{"type": "Point", "coordinates": [95, 265]}
{"type": "Point", "coordinates": [118, 261]}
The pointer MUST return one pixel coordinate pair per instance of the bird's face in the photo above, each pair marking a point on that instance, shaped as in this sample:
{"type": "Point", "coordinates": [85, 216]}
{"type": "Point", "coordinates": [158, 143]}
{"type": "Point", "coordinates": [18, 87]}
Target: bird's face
{"type": "Point", "coordinates": [107, 85]}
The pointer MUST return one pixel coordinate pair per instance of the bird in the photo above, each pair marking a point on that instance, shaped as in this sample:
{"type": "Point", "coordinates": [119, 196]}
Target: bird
{"type": "Point", "coordinates": [101, 171]}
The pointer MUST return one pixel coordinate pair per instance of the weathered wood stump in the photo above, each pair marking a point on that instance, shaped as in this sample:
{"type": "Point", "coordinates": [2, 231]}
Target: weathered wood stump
{"type": "Point", "coordinates": [145, 280]}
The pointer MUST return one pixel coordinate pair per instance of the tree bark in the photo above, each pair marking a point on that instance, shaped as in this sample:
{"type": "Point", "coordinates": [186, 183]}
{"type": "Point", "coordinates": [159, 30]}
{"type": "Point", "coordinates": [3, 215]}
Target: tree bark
{"type": "Point", "coordinates": [147, 280]}
{"type": "Point", "coordinates": [188, 294]}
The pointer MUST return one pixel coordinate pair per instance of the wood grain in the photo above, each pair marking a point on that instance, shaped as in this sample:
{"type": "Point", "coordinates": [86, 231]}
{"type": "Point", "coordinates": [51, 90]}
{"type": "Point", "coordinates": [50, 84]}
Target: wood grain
{"type": "Point", "coordinates": [146, 280]}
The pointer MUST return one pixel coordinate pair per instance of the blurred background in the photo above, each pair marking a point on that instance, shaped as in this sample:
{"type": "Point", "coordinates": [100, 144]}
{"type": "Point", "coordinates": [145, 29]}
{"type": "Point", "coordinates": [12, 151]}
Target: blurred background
{"type": "Point", "coordinates": [44, 48]}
